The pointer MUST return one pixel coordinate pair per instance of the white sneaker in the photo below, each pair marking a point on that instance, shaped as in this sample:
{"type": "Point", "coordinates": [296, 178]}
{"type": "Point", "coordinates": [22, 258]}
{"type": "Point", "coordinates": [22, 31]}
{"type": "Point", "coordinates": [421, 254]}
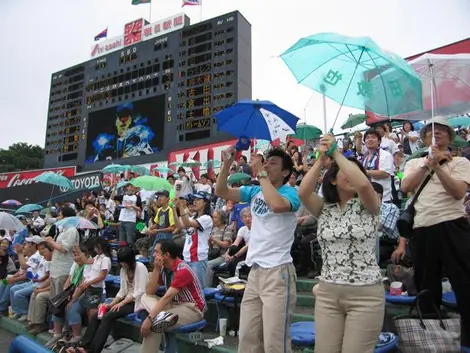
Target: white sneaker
{"type": "Point", "coordinates": [23, 318]}
{"type": "Point", "coordinates": [163, 321]}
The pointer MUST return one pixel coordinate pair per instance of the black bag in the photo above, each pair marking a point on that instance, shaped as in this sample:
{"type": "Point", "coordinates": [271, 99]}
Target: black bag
{"type": "Point", "coordinates": [58, 303]}
{"type": "Point", "coordinates": [406, 220]}
{"type": "Point", "coordinates": [213, 253]}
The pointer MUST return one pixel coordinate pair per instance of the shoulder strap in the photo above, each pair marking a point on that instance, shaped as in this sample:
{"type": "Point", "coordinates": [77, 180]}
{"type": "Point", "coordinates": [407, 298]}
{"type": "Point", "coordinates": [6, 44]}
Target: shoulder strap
{"type": "Point", "coordinates": [426, 180]}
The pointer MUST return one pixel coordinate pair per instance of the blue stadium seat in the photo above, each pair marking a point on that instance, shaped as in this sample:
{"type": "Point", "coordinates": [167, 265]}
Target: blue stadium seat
{"type": "Point", "coordinates": [24, 344]}
{"type": "Point", "coordinates": [161, 291]}
{"type": "Point", "coordinates": [223, 299]}
{"type": "Point", "coordinates": [209, 293]}
{"type": "Point", "coordinates": [144, 260]}
{"type": "Point", "coordinates": [399, 299]}
{"type": "Point", "coordinates": [303, 334]}
{"type": "Point", "coordinates": [192, 327]}
{"type": "Point", "coordinates": [110, 279]}
{"type": "Point", "coordinates": [449, 300]}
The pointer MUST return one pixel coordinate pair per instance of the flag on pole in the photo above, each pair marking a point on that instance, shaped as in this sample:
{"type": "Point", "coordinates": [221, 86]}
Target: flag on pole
{"type": "Point", "coordinates": [191, 2]}
{"type": "Point", "coordinates": [138, 2]}
{"type": "Point", "coordinates": [102, 34]}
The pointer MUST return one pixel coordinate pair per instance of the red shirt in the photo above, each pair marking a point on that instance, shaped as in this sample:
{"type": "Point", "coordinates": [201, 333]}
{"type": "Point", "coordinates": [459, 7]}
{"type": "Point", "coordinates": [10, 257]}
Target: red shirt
{"type": "Point", "coordinates": [184, 279]}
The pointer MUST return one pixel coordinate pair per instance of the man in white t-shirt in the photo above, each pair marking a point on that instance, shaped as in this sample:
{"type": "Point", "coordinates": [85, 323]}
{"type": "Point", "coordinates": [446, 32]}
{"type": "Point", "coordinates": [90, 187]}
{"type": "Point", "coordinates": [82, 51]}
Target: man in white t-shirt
{"type": "Point", "coordinates": [128, 216]}
{"type": "Point", "coordinates": [378, 163]}
{"type": "Point", "coordinates": [183, 187]}
{"type": "Point", "coordinates": [203, 185]}
{"type": "Point", "coordinates": [30, 260]}
{"type": "Point", "coordinates": [264, 323]}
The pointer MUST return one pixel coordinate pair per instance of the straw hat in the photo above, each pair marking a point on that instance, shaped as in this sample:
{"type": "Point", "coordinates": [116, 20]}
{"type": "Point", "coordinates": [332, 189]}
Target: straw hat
{"type": "Point", "coordinates": [441, 121]}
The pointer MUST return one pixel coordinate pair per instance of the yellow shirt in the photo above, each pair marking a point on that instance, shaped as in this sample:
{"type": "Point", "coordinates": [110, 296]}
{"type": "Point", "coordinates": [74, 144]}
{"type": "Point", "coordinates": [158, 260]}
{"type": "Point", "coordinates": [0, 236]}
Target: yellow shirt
{"type": "Point", "coordinates": [434, 204]}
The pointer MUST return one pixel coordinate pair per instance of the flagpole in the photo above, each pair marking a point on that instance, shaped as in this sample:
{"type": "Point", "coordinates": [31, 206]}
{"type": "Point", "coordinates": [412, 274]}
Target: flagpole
{"type": "Point", "coordinates": [150, 12]}
{"type": "Point", "coordinates": [201, 10]}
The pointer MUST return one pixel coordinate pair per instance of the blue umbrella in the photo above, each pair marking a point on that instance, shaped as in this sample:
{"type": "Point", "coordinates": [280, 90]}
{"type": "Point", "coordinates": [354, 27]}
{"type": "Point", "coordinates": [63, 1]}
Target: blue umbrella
{"type": "Point", "coordinates": [54, 179]}
{"type": "Point", "coordinates": [30, 207]}
{"type": "Point", "coordinates": [256, 119]}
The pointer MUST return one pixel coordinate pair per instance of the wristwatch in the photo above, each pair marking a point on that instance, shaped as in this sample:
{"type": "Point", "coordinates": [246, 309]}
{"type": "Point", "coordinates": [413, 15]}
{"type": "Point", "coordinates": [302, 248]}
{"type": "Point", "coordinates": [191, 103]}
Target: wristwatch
{"type": "Point", "coordinates": [263, 174]}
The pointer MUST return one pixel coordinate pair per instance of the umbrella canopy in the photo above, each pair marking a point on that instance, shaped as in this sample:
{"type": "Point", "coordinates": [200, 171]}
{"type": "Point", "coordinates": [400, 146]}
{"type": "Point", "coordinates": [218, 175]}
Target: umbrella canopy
{"type": "Point", "coordinates": [212, 163]}
{"type": "Point", "coordinates": [8, 221]}
{"type": "Point", "coordinates": [165, 170]}
{"type": "Point", "coordinates": [151, 183]}
{"type": "Point", "coordinates": [256, 119]}
{"type": "Point", "coordinates": [459, 142]}
{"type": "Point", "coordinates": [237, 177]}
{"type": "Point", "coordinates": [460, 121]}
{"type": "Point", "coordinates": [307, 132]}
{"type": "Point", "coordinates": [30, 207]}
{"type": "Point", "coordinates": [419, 153]}
{"type": "Point", "coordinates": [446, 84]}
{"type": "Point", "coordinates": [190, 163]}
{"type": "Point", "coordinates": [354, 120]}
{"type": "Point", "coordinates": [140, 170]}
{"type": "Point", "coordinates": [76, 222]}
{"type": "Point", "coordinates": [11, 203]}
{"type": "Point", "coordinates": [116, 168]}
{"type": "Point", "coordinates": [261, 144]}
{"type": "Point", "coordinates": [343, 69]}
{"type": "Point", "coordinates": [54, 179]}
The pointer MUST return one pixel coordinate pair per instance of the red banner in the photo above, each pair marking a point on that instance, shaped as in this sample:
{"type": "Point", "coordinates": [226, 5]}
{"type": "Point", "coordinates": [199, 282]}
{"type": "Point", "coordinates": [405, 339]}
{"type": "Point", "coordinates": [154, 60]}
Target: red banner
{"type": "Point", "coordinates": [12, 179]}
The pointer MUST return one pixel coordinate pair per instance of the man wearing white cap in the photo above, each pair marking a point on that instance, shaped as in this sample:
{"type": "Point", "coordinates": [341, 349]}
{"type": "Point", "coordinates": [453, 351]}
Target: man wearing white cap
{"type": "Point", "coordinates": [441, 231]}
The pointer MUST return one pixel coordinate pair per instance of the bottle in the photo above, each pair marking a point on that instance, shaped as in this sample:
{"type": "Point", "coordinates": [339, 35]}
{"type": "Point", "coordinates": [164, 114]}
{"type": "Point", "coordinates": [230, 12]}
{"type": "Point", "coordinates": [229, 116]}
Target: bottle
{"type": "Point", "coordinates": [446, 287]}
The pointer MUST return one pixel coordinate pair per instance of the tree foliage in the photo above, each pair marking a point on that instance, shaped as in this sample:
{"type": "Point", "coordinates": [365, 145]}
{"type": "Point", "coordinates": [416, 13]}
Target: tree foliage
{"type": "Point", "coordinates": [21, 156]}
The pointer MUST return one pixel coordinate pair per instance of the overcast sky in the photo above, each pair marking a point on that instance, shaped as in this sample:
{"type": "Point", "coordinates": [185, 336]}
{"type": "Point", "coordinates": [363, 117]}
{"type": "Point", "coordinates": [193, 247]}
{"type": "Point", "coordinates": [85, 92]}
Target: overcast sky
{"type": "Point", "coordinates": [41, 37]}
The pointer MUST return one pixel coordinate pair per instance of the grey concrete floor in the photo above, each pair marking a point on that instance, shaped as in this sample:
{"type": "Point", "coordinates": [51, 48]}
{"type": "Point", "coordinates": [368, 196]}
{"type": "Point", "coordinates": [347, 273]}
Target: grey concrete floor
{"type": "Point", "coordinates": [5, 338]}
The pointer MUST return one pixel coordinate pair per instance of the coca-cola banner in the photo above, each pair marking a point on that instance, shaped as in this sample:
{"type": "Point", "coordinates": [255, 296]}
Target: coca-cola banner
{"type": "Point", "coordinates": [15, 179]}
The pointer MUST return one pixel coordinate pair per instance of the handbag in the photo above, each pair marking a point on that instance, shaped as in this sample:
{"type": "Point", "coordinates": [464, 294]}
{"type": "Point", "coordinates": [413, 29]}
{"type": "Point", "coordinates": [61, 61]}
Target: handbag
{"type": "Point", "coordinates": [406, 220]}
{"type": "Point", "coordinates": [427, 333]}
{"type": "Point", "coordinates": [58, 303]}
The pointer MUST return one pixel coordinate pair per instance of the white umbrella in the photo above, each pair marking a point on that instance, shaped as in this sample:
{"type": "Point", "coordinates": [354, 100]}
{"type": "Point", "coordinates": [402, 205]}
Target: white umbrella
{"type": "Point", "coordinates": [8, 221]}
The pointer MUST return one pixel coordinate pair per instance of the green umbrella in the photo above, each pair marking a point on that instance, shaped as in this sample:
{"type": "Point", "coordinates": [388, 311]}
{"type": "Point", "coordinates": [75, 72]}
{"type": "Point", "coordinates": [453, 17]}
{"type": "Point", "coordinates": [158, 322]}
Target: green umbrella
{"type": "Point", "coordinates": [354, 120]}
{"type": "Point", "coordinates": [461, 121]}
{"type": "Point", "coordinates": [190, 163]}
{"type": "Point", "coordinates": [140, 170]}
{"type": "Point", "coordinates": [349, 70]}
{"type": "Point", "coordinates": [151, 183]}
{"type": "Point", "coordinates": [30, 207]}
{"type": "Point", "coordinates": [306, 132]}
{"type": "Point", "coordinates": [459, 143]}
{"type": "Point", "coordinates": [237, 177]}
{"type": "Point", "coordinates": [55, 180]}
{"type": "Point", "coordinates": [419, 153]}
{"type": "Point", "coordinates": [212, 163]}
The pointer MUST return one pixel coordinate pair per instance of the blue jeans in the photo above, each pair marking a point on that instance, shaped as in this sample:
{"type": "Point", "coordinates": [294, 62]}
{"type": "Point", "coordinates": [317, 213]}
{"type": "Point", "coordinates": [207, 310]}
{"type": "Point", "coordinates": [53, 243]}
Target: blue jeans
{"type": "Point", "coordinates": [5, 294]}
{"type": "Point", "coordinates": [200, 268]}
{"type": "Point", "coordinates": [19, 297]}
{"type": "Point", "coordinates": [127, 232]}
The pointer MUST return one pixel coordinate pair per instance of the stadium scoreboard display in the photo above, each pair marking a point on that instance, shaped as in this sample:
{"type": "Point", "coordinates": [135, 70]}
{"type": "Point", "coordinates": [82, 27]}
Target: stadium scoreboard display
{"type": "Point", "coordinates": [152, 90]}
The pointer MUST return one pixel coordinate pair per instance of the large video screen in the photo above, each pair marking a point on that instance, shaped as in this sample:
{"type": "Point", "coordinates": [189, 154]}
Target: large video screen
{"type": "Point", "coordinates": [131, 129]}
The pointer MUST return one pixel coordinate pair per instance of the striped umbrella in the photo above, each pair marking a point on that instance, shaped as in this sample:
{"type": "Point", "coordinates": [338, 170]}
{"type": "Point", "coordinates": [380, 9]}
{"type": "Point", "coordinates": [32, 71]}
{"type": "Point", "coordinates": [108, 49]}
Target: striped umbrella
{"type": "Point", "coordinates": [11, 203]}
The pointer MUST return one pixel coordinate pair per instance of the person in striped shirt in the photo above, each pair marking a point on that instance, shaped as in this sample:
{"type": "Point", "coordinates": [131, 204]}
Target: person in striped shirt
{"type": "Point", "coordinates": [183, 302]}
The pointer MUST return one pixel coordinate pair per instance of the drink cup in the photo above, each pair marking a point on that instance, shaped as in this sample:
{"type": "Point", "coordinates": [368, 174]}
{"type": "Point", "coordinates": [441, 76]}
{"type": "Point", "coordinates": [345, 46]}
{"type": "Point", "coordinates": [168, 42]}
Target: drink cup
{"type": "Point", "coordinates": [10, 311]}
{"type": "Point", "coordinates": [396, 288]}
{"type": "Point", "coordinates": [223, 327]}
{"type": "Point", "coordinates": [102, 308]}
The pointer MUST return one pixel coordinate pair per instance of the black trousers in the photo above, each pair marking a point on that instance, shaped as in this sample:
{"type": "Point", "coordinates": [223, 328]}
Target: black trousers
{"type": "Point", "coordinates": [444, 247]}
{"type": "Point", "coordinates": [98, 330]}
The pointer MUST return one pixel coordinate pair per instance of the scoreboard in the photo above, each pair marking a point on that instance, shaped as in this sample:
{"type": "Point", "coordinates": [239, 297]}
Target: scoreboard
{"type": "Point", "coordinates": [152, 90]}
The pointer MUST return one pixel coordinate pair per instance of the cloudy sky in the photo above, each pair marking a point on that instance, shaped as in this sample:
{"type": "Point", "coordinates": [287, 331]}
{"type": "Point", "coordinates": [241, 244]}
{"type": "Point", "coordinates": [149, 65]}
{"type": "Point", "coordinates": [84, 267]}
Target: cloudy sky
{"type": "Point", "coordinates": [41, 37]}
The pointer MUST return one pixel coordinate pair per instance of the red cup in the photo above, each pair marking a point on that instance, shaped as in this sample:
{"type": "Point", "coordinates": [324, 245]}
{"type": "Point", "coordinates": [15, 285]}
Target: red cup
{"type": "Point", "coordinates": [396, 288]}
{"type": "Point", "coordinates": [102, 308]}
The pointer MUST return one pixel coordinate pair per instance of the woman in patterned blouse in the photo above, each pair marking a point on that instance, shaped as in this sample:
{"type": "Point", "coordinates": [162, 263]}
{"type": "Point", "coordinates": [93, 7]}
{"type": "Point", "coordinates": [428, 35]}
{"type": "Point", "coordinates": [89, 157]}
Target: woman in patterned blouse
{"type": "Point", "coordinates": [350, 304]}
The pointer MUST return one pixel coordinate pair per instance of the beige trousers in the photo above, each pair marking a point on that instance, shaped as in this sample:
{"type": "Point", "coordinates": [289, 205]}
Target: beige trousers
{"type": "Point", "coordinates": [37, 310]}
{"type": "Point", "coordinates": [187, 312]}
{"type": "Point", "coordinates": [348, 319]}
{"type": "Point", "coordinates": [267, 306]}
